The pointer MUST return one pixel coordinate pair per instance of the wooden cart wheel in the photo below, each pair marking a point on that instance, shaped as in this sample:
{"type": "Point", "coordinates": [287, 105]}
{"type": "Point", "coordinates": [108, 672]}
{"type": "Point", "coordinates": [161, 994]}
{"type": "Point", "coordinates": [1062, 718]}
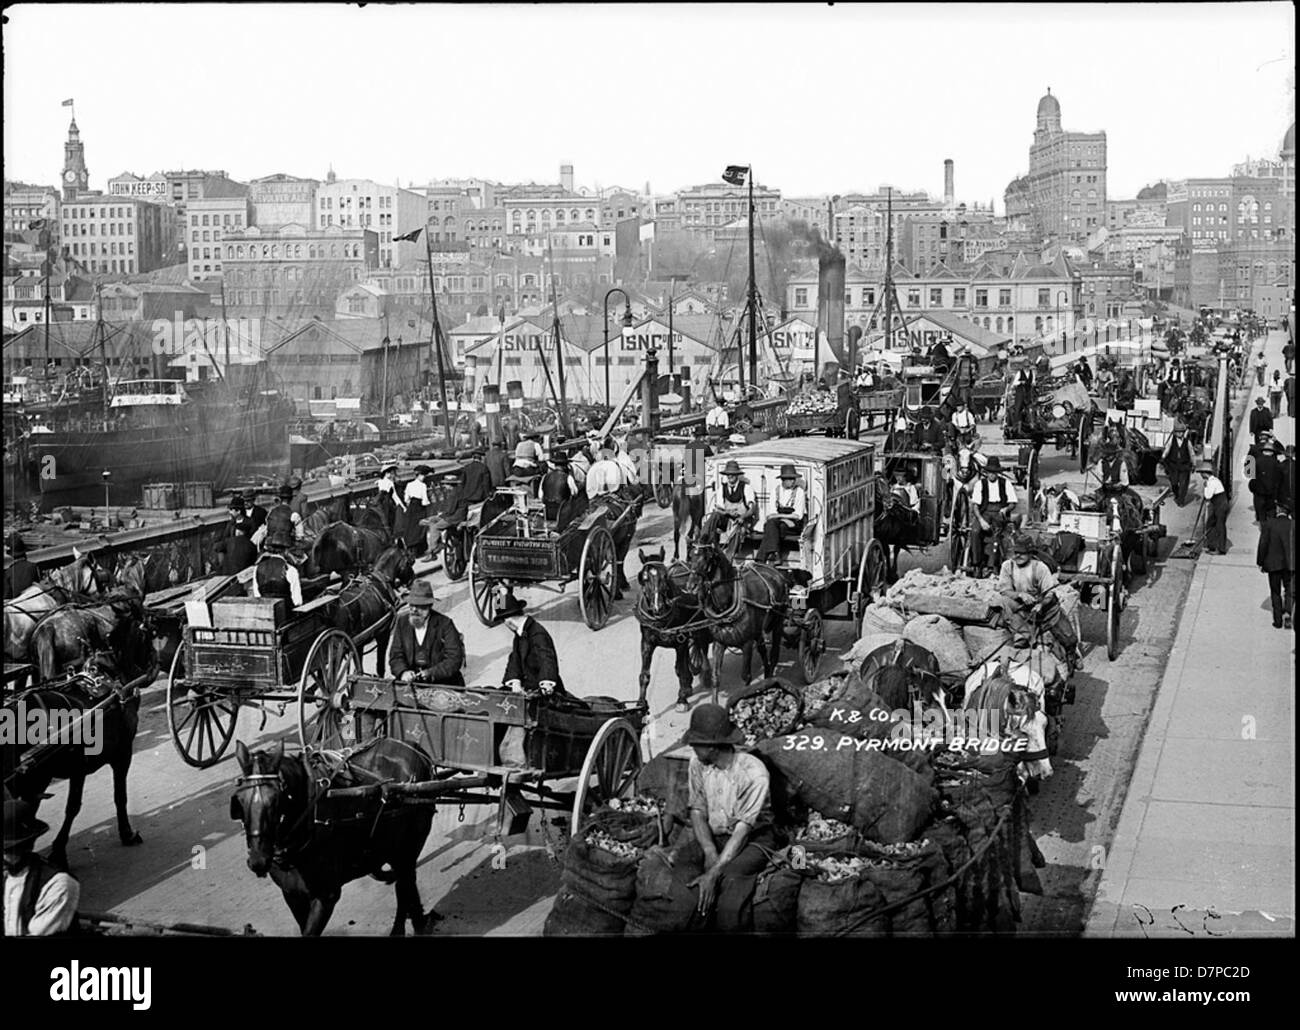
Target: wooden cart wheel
{"type": "Point", "coordinates": [1114, 597]}
{"type": "Point", "coordinates": [1031, 474]}
{"type": "Point", "coordinates": [609, 771]}
{"type": "Point", "coordinates": [323, 689]}
{"type": "Point", "coordinates": [852, 424]}
{"type": "Point", "coordinates": [596, 577]}
{"type": "Point", "coordinates": [453, 555]}
{"type": "Point", "coordinates": [812, 645]}
{"type": "Point", "coordinates": [1085, 432]}
{"type": "Point", "coordinates": [958, 531]}
{"type": "Point", "coordinates": [202, 722]}
{"type": "Point", "coordinates": [481, 590]}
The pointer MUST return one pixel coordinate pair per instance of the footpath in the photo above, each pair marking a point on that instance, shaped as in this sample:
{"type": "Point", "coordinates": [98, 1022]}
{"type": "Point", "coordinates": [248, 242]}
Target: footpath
{"type": "Point", "coordinates": [1206, 839]}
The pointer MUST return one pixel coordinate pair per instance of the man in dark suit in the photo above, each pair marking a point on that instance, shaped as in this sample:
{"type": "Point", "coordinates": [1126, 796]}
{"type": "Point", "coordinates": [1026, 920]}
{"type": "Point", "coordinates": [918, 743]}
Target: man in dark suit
{"type": "Point", "coordinates": [237, 551]}
{"type": "Point", "coordinates": [22, 573]}
{"type": "Point", "coordinates": [477, 477]}
{"type": "Point", "coordinates": [1260, 418]}
{"type": "Point", "coordinates": [1269, 484]}
{"type": "Point", "coordinates": [426, 645]}
{"type": "Point", "coordinates": [1275, 556]}
{"type": "Point", "coordinates": [533, 664]}
{"type": "Point", "coordinates": [498, 464]}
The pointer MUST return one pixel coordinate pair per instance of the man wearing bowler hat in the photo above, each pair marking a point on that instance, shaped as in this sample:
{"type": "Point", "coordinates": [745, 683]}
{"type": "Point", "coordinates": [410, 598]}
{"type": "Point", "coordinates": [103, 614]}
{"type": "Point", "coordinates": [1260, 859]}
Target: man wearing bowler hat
{"type": "Point", "coordinates": [787, 520]}
{"type": "Point", "coordinates": [993, 499]}
{"type": "Point", "coordinates": [426, 644]}
{"type": "Point", "coordinates": [39, 900]}
{"type": "Point", "coordinates": [731, 815]}
{"type": "Point", "coordinates": [735, 502]}
{"type": "Point", "coordinates": [533, 664]}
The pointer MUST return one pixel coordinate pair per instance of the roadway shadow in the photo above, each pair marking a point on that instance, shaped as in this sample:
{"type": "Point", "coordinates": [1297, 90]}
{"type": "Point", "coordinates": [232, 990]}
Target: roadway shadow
{"type": "Point", "coordinates": [495, 891]}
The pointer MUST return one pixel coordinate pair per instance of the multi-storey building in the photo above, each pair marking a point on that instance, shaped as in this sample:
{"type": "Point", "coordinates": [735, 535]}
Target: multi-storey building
{"type": "Point", "coordinates": [72, 298]}
{"type": "Point", "coordinates": [387, 210]}
{"type": "Point", "coordinates": [929, 238]}
{"type": "Point", "coordinates": [117, 234]}
{"type": "Point", "coordinates": [293, 269]}
{"type": "Point", "coordinates": [708, 208]}
{"type": "Point", "coordinates": [534, 213]}
{"type": "Point", "coordinates": [27, 205]}
{"type": "Point", "coordinates": [1123, 213]}
{"type": "Point", "coordinates": [1213, 210]}
{"type": "Point", "coordinates": [282, 200]}
{"type": "Point", "coordinates": [209, 221]}
{"type": "Point", "coordinates": [1066, 183]}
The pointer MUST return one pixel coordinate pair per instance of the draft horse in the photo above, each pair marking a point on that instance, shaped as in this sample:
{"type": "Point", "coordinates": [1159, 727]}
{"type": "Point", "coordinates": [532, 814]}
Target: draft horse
{"type": "Point", "coordinates": [666, 605]}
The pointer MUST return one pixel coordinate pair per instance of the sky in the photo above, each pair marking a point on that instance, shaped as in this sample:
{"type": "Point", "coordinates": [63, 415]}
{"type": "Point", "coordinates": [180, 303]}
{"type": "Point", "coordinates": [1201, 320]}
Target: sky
{"type": "Point", "coordinates": [819, 99]}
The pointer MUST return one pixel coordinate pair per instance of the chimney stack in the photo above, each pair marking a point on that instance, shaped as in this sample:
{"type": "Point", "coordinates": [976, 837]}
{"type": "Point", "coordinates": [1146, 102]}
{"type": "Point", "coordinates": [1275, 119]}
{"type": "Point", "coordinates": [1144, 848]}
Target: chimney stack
{"type": "Point", "coordinates": [830, 302]}
{"type": "Point", "coordinates": [947, 184]}
{"type": "Point", "coordinates": [566, 178]}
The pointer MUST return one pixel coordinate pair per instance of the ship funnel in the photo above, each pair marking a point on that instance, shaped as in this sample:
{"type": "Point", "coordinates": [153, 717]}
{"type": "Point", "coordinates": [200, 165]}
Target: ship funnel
{"type": "Point", "coordinates": [830, 300]}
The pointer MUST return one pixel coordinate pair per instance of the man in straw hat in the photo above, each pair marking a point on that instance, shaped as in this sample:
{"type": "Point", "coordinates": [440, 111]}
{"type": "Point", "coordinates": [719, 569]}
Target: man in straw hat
{"type": "Point", "coordinates": [39, 900]}
{"type": "Point", "coordinates": [275, 575]}
{"type": "Point", "coordinates": [1177, 460]}
{"type": "Point", "coordinates": [426, 644]}
{"type": "Point", "coordinates": [1216, 518]}
{"type": "Point", "coordinates": [20, 573]}
{"type": "Point", "coordinates": [788, 518]}
{"type": "Point", "coordinates": [731, 816]}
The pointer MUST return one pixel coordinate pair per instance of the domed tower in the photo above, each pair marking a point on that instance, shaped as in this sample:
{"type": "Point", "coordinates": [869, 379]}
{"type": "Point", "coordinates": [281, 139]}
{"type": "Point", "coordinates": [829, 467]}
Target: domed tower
{"type": "Point", "coordinates": [76, 179]}
{"type": "Point", "coordinates": [1287, 154]}
{"type": "Point", "coordinates": [1049, 115]}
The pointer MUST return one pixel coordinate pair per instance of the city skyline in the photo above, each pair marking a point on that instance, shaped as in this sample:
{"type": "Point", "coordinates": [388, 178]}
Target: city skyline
{"type": "Point", "coordinates": [1247, 100]}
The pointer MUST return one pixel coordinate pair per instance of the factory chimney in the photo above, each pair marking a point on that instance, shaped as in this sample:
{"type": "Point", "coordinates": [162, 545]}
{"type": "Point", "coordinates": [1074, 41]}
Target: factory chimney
{"type": "Point", "coordinates": [830, 301]}
{"type": "Point", "coordinates": [566, 178]}
{"type": "Point", "coordinates": [947, 184]}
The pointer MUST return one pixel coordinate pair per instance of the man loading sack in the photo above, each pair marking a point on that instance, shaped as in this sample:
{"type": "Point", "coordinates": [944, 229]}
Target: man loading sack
{"type": "Point", "coordinates": [1028, 584]}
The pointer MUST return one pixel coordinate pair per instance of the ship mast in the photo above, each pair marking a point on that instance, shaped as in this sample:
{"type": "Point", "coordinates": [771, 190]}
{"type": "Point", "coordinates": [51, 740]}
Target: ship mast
{"type": "Point", "coordinates": [436, 340]}
{"type": "Point", "coordinates": [752, 291]}
{"type": "Point", "coordinates": [103, 348]}
{"type": "Point", "coordinates": [889, 271]}
{"type": "Point", "coordinates": [555, 328]}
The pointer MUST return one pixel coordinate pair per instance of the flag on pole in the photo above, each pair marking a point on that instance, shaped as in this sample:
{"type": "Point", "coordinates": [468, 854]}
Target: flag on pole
{"type": "Point", "coordinates": [735, 174]}
{"type": "Point", "coordinates": [67, 103]}
{"type": "Point", "coordinates": [413, 236]}
{"type": "Point", "coordinates": [36, 225]}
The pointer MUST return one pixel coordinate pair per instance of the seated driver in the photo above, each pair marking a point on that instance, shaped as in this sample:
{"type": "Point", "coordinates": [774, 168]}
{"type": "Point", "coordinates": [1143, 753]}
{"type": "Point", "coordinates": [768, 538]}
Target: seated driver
{"type": "Point", "coordinates": [455, 509]}
{"type": "Point", "coordinates": [735, 502]}
{"type": "Point", "coordinates": [426, 645]}
{"type": "Point", "coordinates": [993, 500]}
{"type": "Point", "coordinates": [905, 490]}
{"type": "Point", "coordinates": [1027, 583]}
{"type": "Point", "coordinates": [787, 520]}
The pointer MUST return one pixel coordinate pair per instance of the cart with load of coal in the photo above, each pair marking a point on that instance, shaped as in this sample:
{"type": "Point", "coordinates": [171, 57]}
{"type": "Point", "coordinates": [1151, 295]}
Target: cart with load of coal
{"type": "Point", "coordinates": [884, 823]}
{"type": "Point", "coordinates": [834, 412]}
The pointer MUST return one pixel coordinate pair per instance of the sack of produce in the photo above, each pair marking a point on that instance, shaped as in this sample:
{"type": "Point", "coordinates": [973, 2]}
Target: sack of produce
{"type": "Point", "coordinates": [984, 642]}
{"type": "Point", "coordinates": [877, 794]}
{"type": "Point", "coordinates": [1068, 597]}
{"type": "Point", "coordinates": [766, 709]}
{"type": "Point", "coordinates": [575, 916]}
{"type": "Point", "coordinates": [600, 862]}
{"type": "Point", "coordinates": [666, 779]}
{"type": "Point", "coordinates": [1041, 661]}
{"type": "Point", "coordinates": [941, 638]}
{"type": "Point", "coordinates": [819, 835]}
{"type": "Point", "coordinates": [836, 900]}
{"type": "Point", "coordinates": [901, 872]}
{"type": "Point", "coordinates": [880, 619]}
{"type": "Point", "coordinates": [776, 900]}
{"type": "Point", "coordinates": [818, 695]}
{"type": "Point", "coordinates": [664, 901]}
{"type": "Point", "coordinates": [966, 780]}
{"type": "Point", "coordinates": [866, 645]}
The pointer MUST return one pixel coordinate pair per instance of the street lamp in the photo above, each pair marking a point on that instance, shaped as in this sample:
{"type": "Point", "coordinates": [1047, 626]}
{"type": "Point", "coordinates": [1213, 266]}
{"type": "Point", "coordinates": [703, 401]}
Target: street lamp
{"type": "Point", "coordinates": [105, 475]}
{"type": "Point", "coordinates": [1060, 325]}
{"type": "Point", "coordinates": [627, 323]}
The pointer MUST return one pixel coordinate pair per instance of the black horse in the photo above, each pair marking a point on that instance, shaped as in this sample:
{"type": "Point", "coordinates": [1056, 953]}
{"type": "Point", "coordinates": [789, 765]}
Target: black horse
{"type": "Point", "coordinates": [742, 604]}
{"type": "Point", "coordinates": [894, 525]}
{"type": "Point", "coordinates": [312, 845]}
{"type": "Point", "coordinates": [344, 548]}
{"type": "Point", "coordinates": [665, 605]}
{"type": "Point", "coordinates": [365, 598]}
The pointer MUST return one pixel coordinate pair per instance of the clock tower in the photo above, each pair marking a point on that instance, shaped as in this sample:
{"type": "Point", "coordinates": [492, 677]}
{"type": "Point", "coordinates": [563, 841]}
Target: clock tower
{"type": "Point", "coordinates": [76, 180]}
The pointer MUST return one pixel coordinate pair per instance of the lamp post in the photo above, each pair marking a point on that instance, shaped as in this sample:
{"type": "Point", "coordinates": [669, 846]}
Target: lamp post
{"type": "Point", "coordinates": [1060, 325]}
{"type": "Point", "coordinates": [627, 323]}
{"type": "Point", "coordinates": [105, 476]}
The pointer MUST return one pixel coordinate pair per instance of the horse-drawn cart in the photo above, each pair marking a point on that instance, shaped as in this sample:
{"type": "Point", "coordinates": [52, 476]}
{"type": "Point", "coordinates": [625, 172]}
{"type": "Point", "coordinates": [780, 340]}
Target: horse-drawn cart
{"type": "Point", "coordinates": [1116, 540]}
{"type": "Point", "coordinates": [519, 545]}
{"type": "Point", "coordinates": [837, 560]}
{"type": "Point", "coordinates": [820, 411]}
{"type": "Point", "coordinates": [521, 750]}
{"type": "Point", "coordinates": [246, 652]}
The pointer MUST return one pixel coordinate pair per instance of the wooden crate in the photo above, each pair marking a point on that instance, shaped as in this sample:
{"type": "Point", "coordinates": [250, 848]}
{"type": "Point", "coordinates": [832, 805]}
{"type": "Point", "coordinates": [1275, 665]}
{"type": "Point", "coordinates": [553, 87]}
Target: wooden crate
{"type": "Point", "coordinates": [263, 613]}
{"type": "Point", "coordinates": [198, 495]}
{"type": "Point", "coordinates": [1091, 525]}
{"type": "Point", "coordinates": [160, 497]}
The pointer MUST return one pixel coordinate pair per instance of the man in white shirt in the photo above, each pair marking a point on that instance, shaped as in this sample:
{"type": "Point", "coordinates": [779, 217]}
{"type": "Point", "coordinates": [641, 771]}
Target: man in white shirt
{"type": "Point", "coordinates": [735, 502]}
{"type": "Point", "coordinates": [717, 420]}
{"type": "Point", "coordinates": [993, 499]}
{"type": "Point", "coordinates": [606, 475]}
{"type": "Point", "coordinates": [865, 380]}
{"type": "Point", "coordinates": [905, 490]}
{"type": "Point", "coordinates": [789, 515]}
{"type": "Point", "coordinates": [963, 423]}
{"type": "Point", "coordinates": [1216, 518]}
{"type": "Point", "coordinates": [631, 474]}
{"type": "Point", "coordinates": [39, 900]}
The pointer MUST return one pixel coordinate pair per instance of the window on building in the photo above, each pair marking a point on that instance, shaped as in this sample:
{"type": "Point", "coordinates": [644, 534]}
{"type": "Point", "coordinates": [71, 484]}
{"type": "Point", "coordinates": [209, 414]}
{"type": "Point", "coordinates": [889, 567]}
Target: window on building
{"type": "Point", "coordinates": [1004, 298]}
{"type": "Point", "coordinates": [981, 298]}
{"type": "Point", "coordinates": [1044, 297]}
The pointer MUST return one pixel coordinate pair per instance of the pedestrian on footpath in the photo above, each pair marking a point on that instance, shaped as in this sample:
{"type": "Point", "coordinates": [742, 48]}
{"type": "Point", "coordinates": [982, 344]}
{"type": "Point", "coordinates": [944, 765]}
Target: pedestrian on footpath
{"type": "Point", "coordinates": [1288, 356]}
{"type": "Point", "coordinates": [1261, 368]}
{"type": "Point", "coordinates": [1216, 515]}
{"type": "Point", "coordinates": [1266, 478]}
{"type": "Point", "coordinates": [1261, 419]}
{"type": "Point", "coordinates": [1275, 557]}
{"type": "Point", "coordinates": [1275, 393]}
{"type": "Point", "coordinates": [1288, 391]}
